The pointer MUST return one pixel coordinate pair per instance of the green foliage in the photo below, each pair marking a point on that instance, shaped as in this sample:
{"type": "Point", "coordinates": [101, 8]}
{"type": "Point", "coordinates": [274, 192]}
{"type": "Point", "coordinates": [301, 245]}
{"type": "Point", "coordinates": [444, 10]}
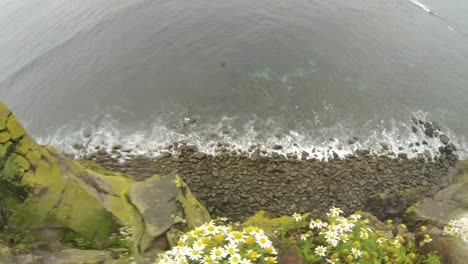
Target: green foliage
{"type": "Point", "coordinates": [430, 258]}
{"type": "Point", "coordinates": [72, 238]}
{"type": "Point", "coordinates": [348, 240]}
{"type": "Point", "coordinates": [19, 240]}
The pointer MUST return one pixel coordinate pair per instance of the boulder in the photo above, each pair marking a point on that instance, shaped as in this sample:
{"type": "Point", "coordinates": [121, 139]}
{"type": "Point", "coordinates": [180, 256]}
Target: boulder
{"type": "Point", "coordinates": [15, 128]}
{"type": "Point", "coordinates": [448, 204]}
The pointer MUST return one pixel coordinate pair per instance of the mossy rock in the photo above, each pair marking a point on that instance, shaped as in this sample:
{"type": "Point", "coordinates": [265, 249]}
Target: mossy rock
{"type": "Point", "coordinates": [3, 121]}
{"type": "Point", "coordinates": [15, 128]}
{"type": "Point", "coordinates": [90, 165]}
{"type": "Point", "coordinates": [194, 212]}
{"type": "Point", "coordinates": [4, 137]}
{"type": "Point", "coordinates": [25, 145]}
{"type": "Point", "coordinates": [61, 201]}
{"type": "Point", "coordinates": [3, 152]}
{"type": "Point", "coordinates": [262, 220]}
{"type": "Point", "coordinates": [15, 166]}
{"type": "Point", "coordinates": [4, 111]}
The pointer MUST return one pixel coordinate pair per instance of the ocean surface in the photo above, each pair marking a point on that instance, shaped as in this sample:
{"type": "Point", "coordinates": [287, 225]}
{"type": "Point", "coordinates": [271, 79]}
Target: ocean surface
{"type": "Point", "coordinates": [306, 74]}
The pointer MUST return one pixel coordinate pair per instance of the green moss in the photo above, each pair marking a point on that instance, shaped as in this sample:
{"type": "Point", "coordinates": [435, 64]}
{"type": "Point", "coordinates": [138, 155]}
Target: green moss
{"type": "Point", "coordinates": [411, 219]}
{"type": "Point", "coordinates": [268, 224]}
{"type": "Point", "coordinates": [4, 137]}
{"type": "Point", "coordinates": [194, 213]}
{"type": "Point", "coordinates": [4, 111]}
{"type": "Point", "coordinates": [3, 121]}
{"type": "Point", "coordinates": [25, 145]}
{"type": "Point", "coordinates": [15, 128]}
{"type": "Point", "coordinates": [14, 167]}
{"type": "Point", "coordinates": [90, 165]}
{"type": "Point", "coordinates": [3, 152]}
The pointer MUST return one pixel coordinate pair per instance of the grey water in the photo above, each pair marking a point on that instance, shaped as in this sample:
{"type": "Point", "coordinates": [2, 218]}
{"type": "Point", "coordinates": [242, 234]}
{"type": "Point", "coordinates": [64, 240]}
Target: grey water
{"type": "Point", "coordinates": [145, 73]}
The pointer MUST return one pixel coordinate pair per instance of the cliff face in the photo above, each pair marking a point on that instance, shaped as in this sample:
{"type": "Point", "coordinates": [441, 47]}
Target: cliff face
{"type": "Point", "coordinates": [42, 189]}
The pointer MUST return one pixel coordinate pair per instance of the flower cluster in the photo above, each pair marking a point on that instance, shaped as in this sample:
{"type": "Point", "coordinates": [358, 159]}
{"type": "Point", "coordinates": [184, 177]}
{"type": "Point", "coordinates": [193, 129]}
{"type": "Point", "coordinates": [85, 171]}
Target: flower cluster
{"type": "Point", "coordinates": [458, 228]}
{"type": "Point", "coordinates": [350, 239]}
{"type": "Point", "coordinates": [214, 243]}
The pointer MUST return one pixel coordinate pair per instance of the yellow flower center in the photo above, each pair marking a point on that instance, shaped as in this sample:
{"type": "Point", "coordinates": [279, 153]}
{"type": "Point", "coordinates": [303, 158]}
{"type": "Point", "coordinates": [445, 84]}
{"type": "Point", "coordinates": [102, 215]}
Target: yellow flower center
{"type": "Point", "coordinates": [253, 255]}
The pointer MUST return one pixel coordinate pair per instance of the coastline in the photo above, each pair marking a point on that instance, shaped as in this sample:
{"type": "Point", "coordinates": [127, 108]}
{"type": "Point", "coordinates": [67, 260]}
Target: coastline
{"type": "Point", "coordinates": [239, 185]}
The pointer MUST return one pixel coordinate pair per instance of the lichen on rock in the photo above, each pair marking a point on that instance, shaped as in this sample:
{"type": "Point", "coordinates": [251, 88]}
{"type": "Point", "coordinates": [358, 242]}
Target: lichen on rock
{"type": "Point", "coordinates": [15, 128]}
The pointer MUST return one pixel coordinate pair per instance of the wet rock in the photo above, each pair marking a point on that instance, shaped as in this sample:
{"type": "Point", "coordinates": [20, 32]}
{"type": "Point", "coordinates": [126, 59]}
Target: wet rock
{"type": "Point", "coordinates": [436, 133]}
{"type": "Point", "coordinates": [415, 120]}
{"type": "Point", "coordinates": [427, 154]}
{"type": "Point", "coordinates": [424, 142]}
{"type": "Point", "coordinates": [428, 125]}
{"type": "Point", "coordinates": [402, 155]}
{"type": "Point", "coordinates": [414, 128]}
{"type": "Point", "coordinates": [444, 139]}
{"type": "Point", "coordinates": [385, 146]}
{"type": "Point", "coordinates": [277, 147]}
{"type": "Point", "coordinates": [102, 152]}
{"type": "Point", "coordinates": [200, 155]}
{"type": "Point", "coordinates": [429, 132]}
{"type": "Point", "coordinates": [255, 155]}
{"type": "Point", "coordinates": [78, 146]}
{"type": "Point", "coordinates": [351, 141]}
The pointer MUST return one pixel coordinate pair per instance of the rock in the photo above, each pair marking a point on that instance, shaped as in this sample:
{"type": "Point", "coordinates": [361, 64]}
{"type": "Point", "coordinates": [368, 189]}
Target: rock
{"type": "Point", "coordinates": [415, 120]}
{"type": "Point", "coordinates": [444, 139]}
{"type": "Point", "coordinates": [255, 155]}
{"type": "Point", "coordinates": [451, 250]}
{"type": "Point", "coordinates": [385, 146]}
{"type": "Point", "coordinates": [3, 122]}
{"type": "Point", "coordinates": [200, 155]}
{"type": "Point", "coordinates": [155, 199]}
{"type": "Point", "coordinates": [427, 154]}
{"type": "Point", "coordinates": [4, 137]}
{"type": "Point", "coordinates": [402, 155]}
{"type": "Point", "coordinates": [429, 132]}
{"type": "Point", "coordinates": [351, 141]}
{"type": "Point", "coordinates": [15, 129]}
{"type": "Point", "coordinates": [414, 128]}
{"type": "Point", "coordinates": [277, 147]}
{"type": "Point", "coordinates": [448, 204]}
{"type": "Point", "coordinates": [436, 125]}
{"type": "Point", "coordinates": [78, 146]}
{"type": "Point", "coordinates": [428, 125]}
{"type": "Point", "coordinates": [74, 256]}
{"type": "Point", "coordinates": [436, 133]}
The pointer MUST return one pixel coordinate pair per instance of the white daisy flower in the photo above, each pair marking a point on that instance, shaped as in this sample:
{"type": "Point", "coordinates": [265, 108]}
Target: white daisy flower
{"type": "Point", "coordinates": [381, 240]}
{"type": "Point", "coordinates": [263, 241]}
{"type": "Point", "coordinates": [297, 217]}
{"type": "Point", "coordinates": [304, 236]}
{"type": "Point", "coordinates": [231, 249]}
{"type": "Point", "coordinates": [356, 253]}
{"type": "Point", "coordinates": [334, 212]}
{"type": "Point", "coordinates": [218, 253]}
{"type": "Point", "coordinates": [235, 259]}
{"type": "Point", "coordinates": [195, 254]}
{"type": "Point", "coordinates": [355, 217]}
{"type": "Point", "coordinates": [321, 251]}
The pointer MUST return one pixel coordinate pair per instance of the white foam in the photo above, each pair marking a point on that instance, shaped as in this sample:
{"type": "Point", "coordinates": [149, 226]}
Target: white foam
{"type": "Point", "coordinates": [422, 6]}
{"type": "Point", "coordinates": [320, 143]}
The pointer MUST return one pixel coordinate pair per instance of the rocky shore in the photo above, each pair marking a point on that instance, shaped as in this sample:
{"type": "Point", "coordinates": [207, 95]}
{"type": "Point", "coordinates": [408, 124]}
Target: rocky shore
{"type": "Point", "coordinates": [238, 185]}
